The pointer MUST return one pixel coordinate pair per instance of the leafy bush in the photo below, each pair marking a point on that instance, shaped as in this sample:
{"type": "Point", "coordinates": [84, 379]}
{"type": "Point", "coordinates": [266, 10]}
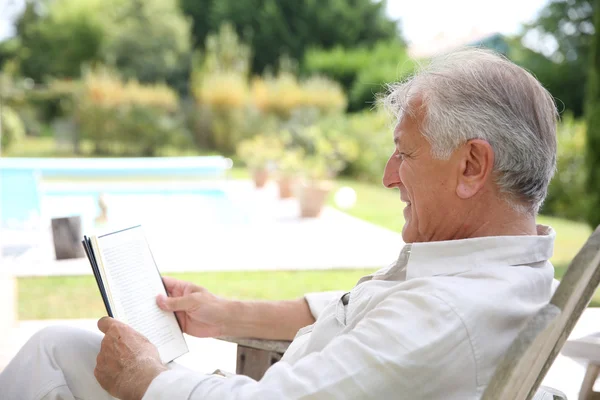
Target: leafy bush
{"type": "Point", "coordinates": [362, 71]}
{"type": "Point", "coordinates": [221, 92]}
{"type": "Point", "coordinates": [342, 65]}
{"type": "Point", "coordinates": [231, 109]}
{"type": "Point", "coordinates": [372, 133]}
{"type": "Point", "coordinates": [261, 151]}
{"type": "Point", "coordinates": [285, 94]}
{"type": "Point", "coordinates": [327, 149]}
{"type": "Point", "coordinates": [567, 191]}
{"type": "Point", "coordinates": [128, 118]}
{"type": "Point", "coordinates": [13, 129]}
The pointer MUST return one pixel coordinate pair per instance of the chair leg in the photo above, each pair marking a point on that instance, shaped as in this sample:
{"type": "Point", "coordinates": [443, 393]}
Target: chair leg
{"type": "Point", "coordinates": [255, 362]}
{"type": "Point", "coordinates": [587, 387]}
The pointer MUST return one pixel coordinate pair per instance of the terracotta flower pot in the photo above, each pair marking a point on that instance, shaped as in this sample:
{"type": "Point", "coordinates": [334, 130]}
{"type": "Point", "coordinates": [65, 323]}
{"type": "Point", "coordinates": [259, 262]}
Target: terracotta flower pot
{"type": "Point", "coordinates": [312, 198]}
{"type": "Point", "coordinates": [260, 177]}
{"type": "Point", "coordinates": [286, 187]}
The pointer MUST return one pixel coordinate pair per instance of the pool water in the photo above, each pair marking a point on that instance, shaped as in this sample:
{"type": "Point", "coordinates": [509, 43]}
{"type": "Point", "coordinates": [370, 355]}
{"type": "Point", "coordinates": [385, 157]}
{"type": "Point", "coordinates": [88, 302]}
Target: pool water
{"type": "Point", "coordinates": [24, 196]}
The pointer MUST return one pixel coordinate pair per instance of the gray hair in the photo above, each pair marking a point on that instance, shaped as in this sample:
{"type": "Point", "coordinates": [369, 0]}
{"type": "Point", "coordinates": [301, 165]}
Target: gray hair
{"type": "Point", "coordinates": [477, 94]}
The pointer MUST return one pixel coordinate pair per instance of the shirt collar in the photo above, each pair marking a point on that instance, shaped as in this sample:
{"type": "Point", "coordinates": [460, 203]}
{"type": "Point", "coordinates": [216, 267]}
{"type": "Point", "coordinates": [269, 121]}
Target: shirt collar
{"type": "Point", "coordinates": [455, 256]}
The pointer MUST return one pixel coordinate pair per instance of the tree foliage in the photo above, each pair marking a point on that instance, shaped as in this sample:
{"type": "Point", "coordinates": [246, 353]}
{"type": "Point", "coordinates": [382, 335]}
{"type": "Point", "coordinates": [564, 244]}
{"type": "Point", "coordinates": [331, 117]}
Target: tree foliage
{"type": "Point", "coordinates": [147, 40]}
{"type": "Point", "coordinates": [288, 27]}
{"type": "Point", "coordinates": [561, 37]}
{"type": "Point", "coordinates": [592, 112]}
{"type": "Point", "coordinates": [45, 37]}
{"type": "Point", "coordinates": [363, 72]}
{"type": "Point", "coordinates": [567, 28]}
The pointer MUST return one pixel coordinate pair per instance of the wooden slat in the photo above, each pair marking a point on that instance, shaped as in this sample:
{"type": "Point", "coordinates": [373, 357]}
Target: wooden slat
{"type": "Point", "coordinates": [534, 350]}
{"type": "Point", "coordinates": [277, 346]}
{"type": "Point", "coordinates": [255, 362]}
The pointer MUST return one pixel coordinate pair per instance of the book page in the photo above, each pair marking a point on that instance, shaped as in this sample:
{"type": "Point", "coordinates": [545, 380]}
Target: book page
{"type": "Point", "coordinates": [96, 250]}
{"type": "Point", "coordinates": [134, 283]}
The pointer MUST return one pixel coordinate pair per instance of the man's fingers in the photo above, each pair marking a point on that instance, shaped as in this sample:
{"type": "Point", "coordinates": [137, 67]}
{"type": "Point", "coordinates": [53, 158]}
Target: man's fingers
{"type": "Point", "coordinates": [171, 284]}
{"type": "Point", "coordinates": [183, 303]}
{"type": "Point", "coordinates": [104, 323]}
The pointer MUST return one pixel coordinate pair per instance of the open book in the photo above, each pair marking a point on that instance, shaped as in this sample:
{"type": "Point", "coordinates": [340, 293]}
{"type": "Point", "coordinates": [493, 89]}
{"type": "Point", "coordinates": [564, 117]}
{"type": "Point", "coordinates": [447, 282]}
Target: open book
{"type": "Point", "coordinates": [129, 282]}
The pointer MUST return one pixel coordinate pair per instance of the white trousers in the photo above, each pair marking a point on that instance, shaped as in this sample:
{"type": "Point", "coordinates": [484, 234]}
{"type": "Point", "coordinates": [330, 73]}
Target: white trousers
{"type": "Point", "coordinates": [56, 363]}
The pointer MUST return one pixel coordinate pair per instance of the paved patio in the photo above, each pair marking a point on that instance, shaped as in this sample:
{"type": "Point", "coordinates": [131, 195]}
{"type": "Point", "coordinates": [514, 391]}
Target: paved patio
{"type": "Point", "coordinates": [266, 235]}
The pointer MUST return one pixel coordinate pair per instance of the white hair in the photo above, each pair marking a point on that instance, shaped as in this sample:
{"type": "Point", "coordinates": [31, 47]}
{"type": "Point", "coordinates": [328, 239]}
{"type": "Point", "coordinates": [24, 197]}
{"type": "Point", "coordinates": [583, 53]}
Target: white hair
{"type": "Point", "coordinates": [477, 94]}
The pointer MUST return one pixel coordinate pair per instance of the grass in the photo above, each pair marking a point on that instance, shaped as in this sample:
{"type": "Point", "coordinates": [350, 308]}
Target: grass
{"type": "Point", "coordinates": [78, 297]}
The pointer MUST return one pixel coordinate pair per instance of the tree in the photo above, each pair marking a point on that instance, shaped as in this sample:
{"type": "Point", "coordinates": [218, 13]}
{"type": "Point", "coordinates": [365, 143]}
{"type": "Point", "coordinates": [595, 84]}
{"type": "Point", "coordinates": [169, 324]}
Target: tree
{"type": "Point", "coordinates": [561, 38]}
{"type": "Point", "coordinates": [592, 112]}
{"type": "Point", "coordinates": [149, 41]}
{"type": "Point", "coordinates": [45, 34]}
{"type": "Point", "coordinates": [288, 27]}
{"type": "Point", "coordinates": [565, 80]}
{"type": "Point", "coordinates": [146, 40]}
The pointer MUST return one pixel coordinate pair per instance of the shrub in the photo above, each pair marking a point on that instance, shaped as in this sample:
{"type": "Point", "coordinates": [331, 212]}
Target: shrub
{"type": "Point", "coordinates": [221, 92]}
{"type": "Point", "coordinates": [372, 132]}
{"type": "Point", "coordinates": [128, 118]}
{"type": "Point", "coordinates": [13, 129]}
{"type": "Point", "coordinates": [261, 151]}
{"type": "Point", "coordinates": [342, 65]}
{"type": "Point", "coordinates": [373, 80]}
{"type": "Point", "coordinates": [567, 191]}
{"type": "Point", "coordinates": [285, 94]}
{"type": "Point", "coordinates": [362, 71]}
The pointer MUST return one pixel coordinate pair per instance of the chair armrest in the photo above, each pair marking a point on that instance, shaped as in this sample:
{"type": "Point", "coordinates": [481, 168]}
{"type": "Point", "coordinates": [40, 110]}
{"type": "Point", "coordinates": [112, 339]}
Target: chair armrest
{"type": "Point", "coordinates": [255, 356]}
{"type": "Point", "coordinates": [277, 346]}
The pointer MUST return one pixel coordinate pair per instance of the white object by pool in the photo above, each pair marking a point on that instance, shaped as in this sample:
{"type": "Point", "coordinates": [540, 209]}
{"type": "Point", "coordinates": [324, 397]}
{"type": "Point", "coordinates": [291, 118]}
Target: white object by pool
{"type": "Point", "coordinates": [345, 197]}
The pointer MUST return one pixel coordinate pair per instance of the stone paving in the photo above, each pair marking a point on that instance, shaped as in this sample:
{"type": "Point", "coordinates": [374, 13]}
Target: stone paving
{"type": "Point", "coordinates": [269, 235]}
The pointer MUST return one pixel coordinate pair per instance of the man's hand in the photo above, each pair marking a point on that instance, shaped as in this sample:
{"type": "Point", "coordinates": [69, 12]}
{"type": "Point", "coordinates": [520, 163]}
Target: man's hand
{"type": "Point", "coordinates": [200, 313]}
{"type": "Point", "coordinates": [127, 362]}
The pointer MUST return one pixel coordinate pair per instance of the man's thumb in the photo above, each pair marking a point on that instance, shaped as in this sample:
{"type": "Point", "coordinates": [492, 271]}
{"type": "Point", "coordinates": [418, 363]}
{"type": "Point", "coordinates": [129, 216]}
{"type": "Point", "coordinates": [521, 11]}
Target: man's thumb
{"type": "Point", "coordinates": [183, 303]}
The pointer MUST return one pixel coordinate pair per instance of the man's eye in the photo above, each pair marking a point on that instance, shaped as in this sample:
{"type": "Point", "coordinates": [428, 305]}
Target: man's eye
{"type": "Point", "coordinates": [400, 156]}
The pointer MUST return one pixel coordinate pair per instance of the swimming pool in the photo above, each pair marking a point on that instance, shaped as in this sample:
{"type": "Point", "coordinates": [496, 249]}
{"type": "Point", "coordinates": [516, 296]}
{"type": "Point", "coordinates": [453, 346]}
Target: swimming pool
{"type": "Point", "coordinates": [24, 196]}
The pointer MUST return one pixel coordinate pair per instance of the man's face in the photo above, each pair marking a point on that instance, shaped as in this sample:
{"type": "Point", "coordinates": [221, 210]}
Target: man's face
{"type": "Point", "coordinates": [427, 186]}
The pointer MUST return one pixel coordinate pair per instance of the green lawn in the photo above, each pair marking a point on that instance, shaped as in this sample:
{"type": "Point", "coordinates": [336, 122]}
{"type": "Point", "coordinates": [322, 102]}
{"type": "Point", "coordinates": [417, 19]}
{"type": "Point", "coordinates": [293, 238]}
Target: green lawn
{"type": "Point", "coordinates": [78, 297]}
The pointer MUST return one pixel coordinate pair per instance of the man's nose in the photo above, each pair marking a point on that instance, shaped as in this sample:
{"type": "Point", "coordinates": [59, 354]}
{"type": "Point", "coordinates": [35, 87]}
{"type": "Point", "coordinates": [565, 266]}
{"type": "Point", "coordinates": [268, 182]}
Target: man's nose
{"type": "Point", "coordinates": [391, 177]}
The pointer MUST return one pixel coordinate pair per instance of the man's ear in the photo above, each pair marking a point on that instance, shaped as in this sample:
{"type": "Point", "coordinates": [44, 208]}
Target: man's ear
{"type": "Point", "coordinates": [476, 165]}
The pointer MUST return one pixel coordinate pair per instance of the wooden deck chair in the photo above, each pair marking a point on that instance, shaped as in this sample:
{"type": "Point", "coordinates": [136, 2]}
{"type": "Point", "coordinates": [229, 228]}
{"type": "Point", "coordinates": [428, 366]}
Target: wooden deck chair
{"type": "Point", "coordinates": [532, 353]}
{"type": "Point", "coordinates": [525, 364]}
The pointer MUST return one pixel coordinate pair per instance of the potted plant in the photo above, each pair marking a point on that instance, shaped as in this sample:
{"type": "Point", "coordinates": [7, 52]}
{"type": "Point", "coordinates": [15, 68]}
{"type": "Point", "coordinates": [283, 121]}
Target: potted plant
{"type": "Point", "coordinates": [313, 189]}
{"type": "Point", "coordinates": [288, 167]}
{"type": "Point", "coordinates": [259, 154]}
{"type": "Point", "coordinates": [325, 158]}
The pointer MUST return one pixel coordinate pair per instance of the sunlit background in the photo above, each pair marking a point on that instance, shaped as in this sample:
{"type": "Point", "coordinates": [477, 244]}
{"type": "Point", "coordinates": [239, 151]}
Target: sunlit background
{"type": "Point", "coordinates": [245, 137]}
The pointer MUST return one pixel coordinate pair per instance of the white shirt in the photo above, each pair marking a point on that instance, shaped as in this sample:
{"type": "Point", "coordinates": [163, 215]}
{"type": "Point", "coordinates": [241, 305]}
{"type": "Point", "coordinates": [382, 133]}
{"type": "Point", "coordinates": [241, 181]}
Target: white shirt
{"type": "Point", "coordinates": [433, 325]}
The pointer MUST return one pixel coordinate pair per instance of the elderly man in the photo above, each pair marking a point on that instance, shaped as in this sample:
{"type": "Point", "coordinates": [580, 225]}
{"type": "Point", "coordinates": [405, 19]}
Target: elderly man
{"type": "Point", "coordinates": [475, 149]}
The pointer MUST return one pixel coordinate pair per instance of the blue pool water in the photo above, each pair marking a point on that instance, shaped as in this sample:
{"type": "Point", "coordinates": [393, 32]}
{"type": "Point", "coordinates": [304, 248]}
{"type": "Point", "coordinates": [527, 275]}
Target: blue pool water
{"type": "Point", "coordinates": [23, 197]}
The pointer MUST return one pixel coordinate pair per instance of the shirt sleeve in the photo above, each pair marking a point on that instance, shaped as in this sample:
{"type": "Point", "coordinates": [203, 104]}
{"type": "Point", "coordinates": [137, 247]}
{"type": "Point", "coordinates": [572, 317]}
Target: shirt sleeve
{"type": "Point", "coordinates": [406, 345]}
{"type": "Point", "coordinates": [317, 301]}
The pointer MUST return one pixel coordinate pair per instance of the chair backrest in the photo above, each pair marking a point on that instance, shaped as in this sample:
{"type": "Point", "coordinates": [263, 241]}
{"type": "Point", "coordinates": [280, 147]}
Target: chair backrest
{"type": "Point", "coordinates": [532, 353]}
